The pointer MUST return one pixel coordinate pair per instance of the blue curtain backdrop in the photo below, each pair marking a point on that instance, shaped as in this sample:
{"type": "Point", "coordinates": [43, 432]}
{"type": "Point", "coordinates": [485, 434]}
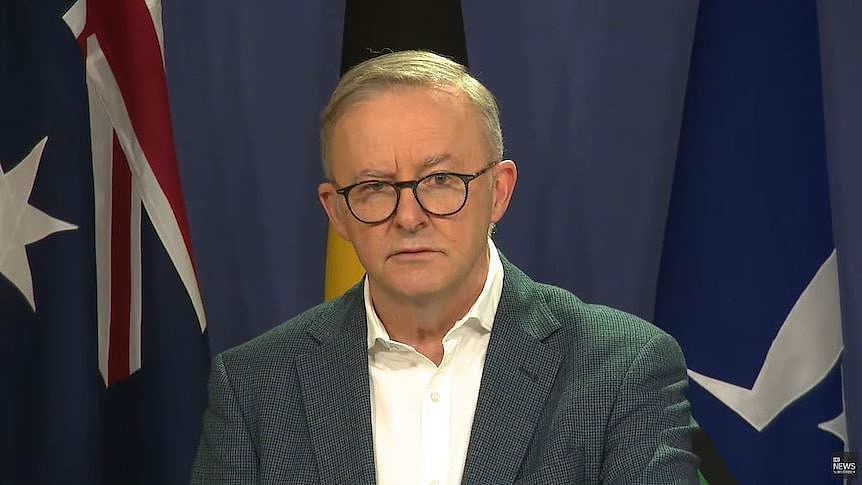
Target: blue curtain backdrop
{"type": "Point", "coordinates": [247, 82]}
{"type": "Point", "coordinates": [591, 98]}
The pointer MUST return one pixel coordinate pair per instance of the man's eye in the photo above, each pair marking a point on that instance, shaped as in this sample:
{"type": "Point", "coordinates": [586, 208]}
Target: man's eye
{"type": "Point", "coordinates": [372, 187]}
{"type": "Point", "coordinates": [441, 179]}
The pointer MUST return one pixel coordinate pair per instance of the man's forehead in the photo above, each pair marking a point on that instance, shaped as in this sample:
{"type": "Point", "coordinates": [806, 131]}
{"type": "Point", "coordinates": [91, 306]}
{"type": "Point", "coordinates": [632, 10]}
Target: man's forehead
{"type": "Point", "coordinates": [404, 133]}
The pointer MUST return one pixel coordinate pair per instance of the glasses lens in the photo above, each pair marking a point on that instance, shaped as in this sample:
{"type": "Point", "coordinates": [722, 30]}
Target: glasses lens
{"type": "Point", "coordinates": [441, 193]}
{"type": "Point", "coordinates": [372, 201]}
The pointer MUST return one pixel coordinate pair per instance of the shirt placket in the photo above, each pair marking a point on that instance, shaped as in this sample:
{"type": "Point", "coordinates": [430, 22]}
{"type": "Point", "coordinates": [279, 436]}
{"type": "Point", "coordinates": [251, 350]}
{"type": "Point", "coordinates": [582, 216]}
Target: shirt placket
{"type": "Point", "coordinates": [435, 428]}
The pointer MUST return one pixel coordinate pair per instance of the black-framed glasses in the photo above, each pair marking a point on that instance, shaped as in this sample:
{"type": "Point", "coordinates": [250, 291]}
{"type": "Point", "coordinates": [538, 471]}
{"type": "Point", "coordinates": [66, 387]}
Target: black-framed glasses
{"type": "Point", "coordinates": [439, 194]}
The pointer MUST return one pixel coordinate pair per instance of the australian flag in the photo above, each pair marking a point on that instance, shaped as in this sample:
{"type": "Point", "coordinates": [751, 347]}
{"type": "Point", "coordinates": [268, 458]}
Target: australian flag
{"type": "Point", "coordinates": [103, 356]}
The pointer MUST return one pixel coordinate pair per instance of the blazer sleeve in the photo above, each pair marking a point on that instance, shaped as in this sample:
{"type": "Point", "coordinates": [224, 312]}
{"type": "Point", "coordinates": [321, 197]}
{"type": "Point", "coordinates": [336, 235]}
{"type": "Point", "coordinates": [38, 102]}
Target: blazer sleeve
{"type": "Point", "coordinates": [648, 440]}
{"type": "Point", "coordinates": [226, 453]}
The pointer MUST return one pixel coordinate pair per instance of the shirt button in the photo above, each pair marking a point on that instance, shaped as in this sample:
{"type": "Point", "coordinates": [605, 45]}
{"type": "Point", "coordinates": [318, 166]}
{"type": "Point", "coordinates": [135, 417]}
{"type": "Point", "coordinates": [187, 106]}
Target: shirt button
{"type": "Point", "coordinates": [435, 397]}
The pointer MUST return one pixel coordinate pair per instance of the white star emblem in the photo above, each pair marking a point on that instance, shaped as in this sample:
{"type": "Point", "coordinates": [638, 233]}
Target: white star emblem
{"type": "Point", "coordinates": [21, 223]}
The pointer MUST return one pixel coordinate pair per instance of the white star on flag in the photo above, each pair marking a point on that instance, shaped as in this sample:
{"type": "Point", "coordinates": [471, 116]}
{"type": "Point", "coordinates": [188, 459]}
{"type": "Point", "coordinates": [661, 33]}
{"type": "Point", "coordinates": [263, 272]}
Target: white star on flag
{"type": "Point", "coordinates": [21, 223]}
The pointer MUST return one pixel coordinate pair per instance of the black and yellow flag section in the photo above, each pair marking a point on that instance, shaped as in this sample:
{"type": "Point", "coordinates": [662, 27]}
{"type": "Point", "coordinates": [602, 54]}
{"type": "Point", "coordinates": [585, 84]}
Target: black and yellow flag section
{"type": "Point", "coordinates": [343, 269]}
{"type": "Point", "coordinates": [373, 27]}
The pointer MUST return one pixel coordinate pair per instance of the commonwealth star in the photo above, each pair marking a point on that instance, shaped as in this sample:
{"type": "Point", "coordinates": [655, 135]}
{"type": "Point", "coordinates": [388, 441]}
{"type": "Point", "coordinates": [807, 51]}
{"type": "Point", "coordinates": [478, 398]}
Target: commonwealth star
{"type": "Point", "coordinates": [21, 223]}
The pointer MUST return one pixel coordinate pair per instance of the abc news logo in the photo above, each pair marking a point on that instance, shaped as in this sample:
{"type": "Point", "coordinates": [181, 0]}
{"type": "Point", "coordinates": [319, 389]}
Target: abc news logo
{"type": "Point", "coordinates": [844, 465]}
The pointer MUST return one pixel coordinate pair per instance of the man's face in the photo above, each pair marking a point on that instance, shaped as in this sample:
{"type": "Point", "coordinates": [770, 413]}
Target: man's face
{"type": "Point", "coordinates": [404, 134]}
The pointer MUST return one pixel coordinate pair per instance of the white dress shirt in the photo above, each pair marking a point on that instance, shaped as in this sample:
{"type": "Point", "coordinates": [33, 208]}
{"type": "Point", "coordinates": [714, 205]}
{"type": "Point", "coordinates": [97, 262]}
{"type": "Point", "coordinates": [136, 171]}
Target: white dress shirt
{"type": "Point", "coordinates": [421, 414]}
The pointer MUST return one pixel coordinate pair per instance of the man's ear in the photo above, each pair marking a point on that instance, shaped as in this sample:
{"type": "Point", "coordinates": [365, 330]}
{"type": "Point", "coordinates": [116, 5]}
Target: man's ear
{"type": "Point", "coordinates": [505, 176]}
{"type": "Point", "coordinates": [329, 200]}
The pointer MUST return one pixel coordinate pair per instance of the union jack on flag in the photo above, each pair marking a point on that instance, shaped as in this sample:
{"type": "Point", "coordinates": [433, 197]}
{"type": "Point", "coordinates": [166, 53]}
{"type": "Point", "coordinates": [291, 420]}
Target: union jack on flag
{"type": "Point", "coordinates": [134, 166]}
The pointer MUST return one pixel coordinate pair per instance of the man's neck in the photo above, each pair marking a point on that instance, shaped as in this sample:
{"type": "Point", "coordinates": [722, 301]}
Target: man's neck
{"type": "Point", "coordinates": [422, 323]}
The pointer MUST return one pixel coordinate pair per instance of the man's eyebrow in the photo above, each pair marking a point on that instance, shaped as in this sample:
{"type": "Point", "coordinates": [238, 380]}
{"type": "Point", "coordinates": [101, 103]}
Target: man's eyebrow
{"type": "Point", "coordinates": [373, 173]}
{"type": "Point", "coordinates": [429, 162]}
{"type": "Point", "coordinates": [436, 159]}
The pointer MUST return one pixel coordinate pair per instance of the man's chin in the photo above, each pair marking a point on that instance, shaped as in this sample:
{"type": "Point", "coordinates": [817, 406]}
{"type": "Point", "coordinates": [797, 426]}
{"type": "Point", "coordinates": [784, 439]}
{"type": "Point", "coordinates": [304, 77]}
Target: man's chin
{"type": "Point", "coordinates": [417, 288]}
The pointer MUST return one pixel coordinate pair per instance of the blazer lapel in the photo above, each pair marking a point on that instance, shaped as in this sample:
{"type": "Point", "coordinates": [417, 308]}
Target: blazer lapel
{"type": "Point", "coordinates": [334, 380]}
{"type": "Point", "coordinates": [518, 375]}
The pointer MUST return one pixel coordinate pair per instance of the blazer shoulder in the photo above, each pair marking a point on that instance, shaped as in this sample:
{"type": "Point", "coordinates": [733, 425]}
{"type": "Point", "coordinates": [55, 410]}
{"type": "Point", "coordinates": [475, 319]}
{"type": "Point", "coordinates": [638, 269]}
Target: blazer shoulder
{"type": "Point", "coordinates": [598, 326]}
{"type": "Point", "coordinates": [298, 335]}
{"type": "Point", "coordinates": [607, 350]}
{"type": "Point", "coordinates": [554, 314]}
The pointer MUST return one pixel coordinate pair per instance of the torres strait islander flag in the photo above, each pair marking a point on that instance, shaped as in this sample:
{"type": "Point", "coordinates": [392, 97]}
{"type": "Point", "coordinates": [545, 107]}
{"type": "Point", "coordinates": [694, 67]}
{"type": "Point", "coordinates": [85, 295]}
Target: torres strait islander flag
{"type": "Point", "coordinates": [102, 349]}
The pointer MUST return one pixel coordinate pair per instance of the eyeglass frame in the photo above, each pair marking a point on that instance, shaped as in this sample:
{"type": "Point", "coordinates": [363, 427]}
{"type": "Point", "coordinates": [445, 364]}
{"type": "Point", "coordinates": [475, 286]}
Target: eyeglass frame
{"type": "Point", "coordinates": [412, 184]}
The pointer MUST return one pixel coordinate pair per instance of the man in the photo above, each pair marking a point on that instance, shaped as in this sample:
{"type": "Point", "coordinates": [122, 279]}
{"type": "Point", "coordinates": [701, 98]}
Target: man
{"type": "Point", "coordinates": [447, 364]}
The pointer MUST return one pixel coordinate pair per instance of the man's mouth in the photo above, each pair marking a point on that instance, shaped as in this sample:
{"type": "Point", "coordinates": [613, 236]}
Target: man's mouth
{"type": "Point", "coordinates": [413, 252]}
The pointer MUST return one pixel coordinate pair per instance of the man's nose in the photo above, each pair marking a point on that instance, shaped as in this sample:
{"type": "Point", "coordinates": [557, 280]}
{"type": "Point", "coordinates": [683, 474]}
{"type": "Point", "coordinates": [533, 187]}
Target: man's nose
{"type": "Point", "coordinates": [409, 214]}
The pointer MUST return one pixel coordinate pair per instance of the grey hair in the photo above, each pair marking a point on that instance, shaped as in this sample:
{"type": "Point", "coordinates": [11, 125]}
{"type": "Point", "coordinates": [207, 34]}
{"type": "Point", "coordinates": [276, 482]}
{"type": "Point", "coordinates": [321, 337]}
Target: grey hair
{"type": "Point", "coordinates": [416, 69]}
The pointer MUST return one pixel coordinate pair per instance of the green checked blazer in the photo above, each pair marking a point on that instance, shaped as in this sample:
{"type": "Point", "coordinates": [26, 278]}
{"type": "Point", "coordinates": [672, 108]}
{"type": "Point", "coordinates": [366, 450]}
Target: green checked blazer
{"type": "Point", "coordinates": [570, 393]}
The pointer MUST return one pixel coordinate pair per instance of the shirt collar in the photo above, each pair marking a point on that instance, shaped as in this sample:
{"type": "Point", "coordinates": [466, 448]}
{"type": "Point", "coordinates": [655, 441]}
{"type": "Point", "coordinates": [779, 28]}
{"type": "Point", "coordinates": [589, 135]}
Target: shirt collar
{"type": "Point", "coordinates": [481, 312]}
